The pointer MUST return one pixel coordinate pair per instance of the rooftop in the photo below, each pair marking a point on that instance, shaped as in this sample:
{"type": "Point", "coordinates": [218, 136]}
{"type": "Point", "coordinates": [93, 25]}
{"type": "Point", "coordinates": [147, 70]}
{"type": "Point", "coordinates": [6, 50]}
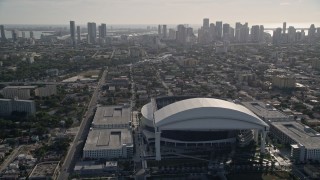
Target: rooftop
{"type": "Point", "coordinates": [44, 169]}
{"type": "Point", "coordinates": [264, 111]}
{"type": "Point", "coordinates": [17, 100]}
{"type": "Point", "coordinates": [108, 139]}
{"type": "Point", "coordinates": [191, 113]}
{"type": "Point", "coordinates": [112, 115]}
{"type": "Point", "coordinates": [20, 87]}
{"type": "Point", "coordinates": [301, 134]}
{"type": "Point", "coordinates": [88, 165]}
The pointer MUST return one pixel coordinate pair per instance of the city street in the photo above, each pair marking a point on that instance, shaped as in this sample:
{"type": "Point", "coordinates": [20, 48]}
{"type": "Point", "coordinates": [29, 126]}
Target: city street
{"type": "Point", "coordinates": [79, 140]}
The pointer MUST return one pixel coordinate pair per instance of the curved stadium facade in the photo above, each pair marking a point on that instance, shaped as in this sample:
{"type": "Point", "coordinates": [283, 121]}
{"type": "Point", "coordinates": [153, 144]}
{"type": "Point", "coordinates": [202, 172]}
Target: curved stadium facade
{"type": "Point", "coordinates": [184, 121]}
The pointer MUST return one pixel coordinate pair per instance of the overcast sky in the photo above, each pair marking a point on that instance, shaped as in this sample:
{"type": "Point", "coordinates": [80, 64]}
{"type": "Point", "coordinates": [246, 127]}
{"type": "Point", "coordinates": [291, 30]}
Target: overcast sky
{"type": "Point", "coordinates": [158, 11]}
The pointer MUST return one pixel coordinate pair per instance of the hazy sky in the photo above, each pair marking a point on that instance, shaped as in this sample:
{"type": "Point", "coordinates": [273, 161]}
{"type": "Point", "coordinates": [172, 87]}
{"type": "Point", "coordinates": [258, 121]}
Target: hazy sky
{"type": "Point", "coordinates": [158, 11]}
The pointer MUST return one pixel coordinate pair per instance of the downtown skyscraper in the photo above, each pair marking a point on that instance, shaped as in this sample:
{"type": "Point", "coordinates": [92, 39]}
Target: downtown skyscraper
{"type": "Point", "coordinates": [78, 34]}
{"type": "Point", "coordinates": [3, 35]}
{"type": "Point", "coordinates": [103, 31]}
{"type": "Point", "coordinates": [219, 30]}
{"type": "Point", "coordinates": [205, 23]}
{"type": "Point", "coordinates": [92, 33]}
{"type": "Point", "coordinates": [255, 33]}
{"type": "Point", "coordinates": [73, 33]}
{"type": "Point", "coordinates": [181, 34]}
{"type": "Point", "coordinates": [164, 31]}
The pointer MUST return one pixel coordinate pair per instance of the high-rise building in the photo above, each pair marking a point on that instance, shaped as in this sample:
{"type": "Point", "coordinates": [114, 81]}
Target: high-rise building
{"type": "Point", "coordinates": [99, 31]}
{"type": "Point", "coordinates": [303, 35]}
{"type": "Point", "coordinates": [219, 29]}
{"type": "Point", "coordinates": [231, 34]}
{"type": "Point", "coordinates": [276, 39]}
{"type": "Point", "coordinates": [284, 28]}
{"type": "Point", "coordinates": [159, 30]}
{"type": "Point", "coordinates": [103, 31]}
{"type": "Point", "coordinates": [212, 31]}
{"type": "Point", "coordinates": [312, 33]}
{"type": "Point", "coordinates": [23, 34]}
{"type": "Point", "coordinates": [244, 33]}
{"type": "Point", "coordinates": [31, 35]}
{"type": "Point", "coordinates": [255, 30]}
{"type": "Point", "coordinates": [172, 34]}
{"type": "Point", "coordinates": [3, 35]}
{"type": "Point", "coordinates": [92, 32]}
{"type": "Point", "coordinates": [205, 23]}
{"type": "Point", "coordinates": [261, 34]}
{"type": "Point", "coordinates": [226, 30]}
{"type": "Point", "coordinates": [78, 34]}
{"type": "Point", "coordinates": [14, 35]}
{"type": "Point", "coordinates": [73, 33]}
{"type": "Point", "coordinates": [164, 31]}
{"type": "Point", "coordinates": [181, 34]}
{"type": "Point", "coordinates": [237, 31]}
{"type": "Point", "coordinates": [291, 34]}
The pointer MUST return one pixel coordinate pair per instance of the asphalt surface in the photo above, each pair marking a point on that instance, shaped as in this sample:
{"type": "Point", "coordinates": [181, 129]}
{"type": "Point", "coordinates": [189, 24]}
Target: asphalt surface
{"type": "Point", "coordinates": [76, 146]}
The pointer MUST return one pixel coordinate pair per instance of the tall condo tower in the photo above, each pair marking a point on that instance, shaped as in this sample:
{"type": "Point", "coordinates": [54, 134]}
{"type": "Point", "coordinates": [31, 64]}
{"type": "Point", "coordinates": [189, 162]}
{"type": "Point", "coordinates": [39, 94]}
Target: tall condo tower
{"type": "Point", "coordinates": [3, 35]}
{"type": "Point", "coordinates": [78, 34]}
{"type": "Point", "coordinates": [73, 33]}
{"type": "Point", "coordinates": [92, 32]}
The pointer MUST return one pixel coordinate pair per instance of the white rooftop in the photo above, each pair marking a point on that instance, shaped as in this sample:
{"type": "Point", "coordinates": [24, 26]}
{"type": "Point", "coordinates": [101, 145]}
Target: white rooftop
{"type": "Point", "coordinates": [209, 113]}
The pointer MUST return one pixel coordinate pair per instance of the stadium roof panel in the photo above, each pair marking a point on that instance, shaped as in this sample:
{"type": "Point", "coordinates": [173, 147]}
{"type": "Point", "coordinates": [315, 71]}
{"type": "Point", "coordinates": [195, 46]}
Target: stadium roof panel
{"type": "Point", "coordinates": [206, 113]}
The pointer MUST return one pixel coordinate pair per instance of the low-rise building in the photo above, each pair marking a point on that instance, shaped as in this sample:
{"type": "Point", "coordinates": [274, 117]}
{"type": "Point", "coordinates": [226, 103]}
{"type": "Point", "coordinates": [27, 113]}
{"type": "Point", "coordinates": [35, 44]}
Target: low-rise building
{"type": "Point", "coordinates": [7, 106]}
{"type": "Point", "coordinates": [45, 170]}
{"type": "Point", "coordinates": [304, 141]}
{"type": "Point", "coordinates": [112, 117]}
{"type": "Point", "coordinates": [266, 112]}
{"type": "Point", "coordinates": [46, 91]}
{"type": "Point", "coordinates": [21, 92]}
{"type": "Point", "coordinates": [282, 81]}
{"type": "Point", "coordinates": [108, 144]}
{"type": "Point", "coordinates": [95, 168]}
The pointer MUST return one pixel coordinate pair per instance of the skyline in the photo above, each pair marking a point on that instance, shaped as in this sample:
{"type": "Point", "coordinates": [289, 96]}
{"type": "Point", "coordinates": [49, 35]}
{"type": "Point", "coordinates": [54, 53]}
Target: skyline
{"type": "Point", "coordinates": [159, 12]}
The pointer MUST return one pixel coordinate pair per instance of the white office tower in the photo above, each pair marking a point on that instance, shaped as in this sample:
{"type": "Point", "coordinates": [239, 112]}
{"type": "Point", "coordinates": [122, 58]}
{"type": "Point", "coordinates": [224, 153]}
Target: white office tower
{"type": "Point", "coordinates": [73, 33]}
{"type": "Point", "coordinates": [92, 33]}
{"type": "Point", "coordinates": [255, 34]}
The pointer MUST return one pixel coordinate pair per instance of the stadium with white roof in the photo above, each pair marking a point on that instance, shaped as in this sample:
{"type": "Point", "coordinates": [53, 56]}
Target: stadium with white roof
{"type": "Point", "coordinates": [182, 121]}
